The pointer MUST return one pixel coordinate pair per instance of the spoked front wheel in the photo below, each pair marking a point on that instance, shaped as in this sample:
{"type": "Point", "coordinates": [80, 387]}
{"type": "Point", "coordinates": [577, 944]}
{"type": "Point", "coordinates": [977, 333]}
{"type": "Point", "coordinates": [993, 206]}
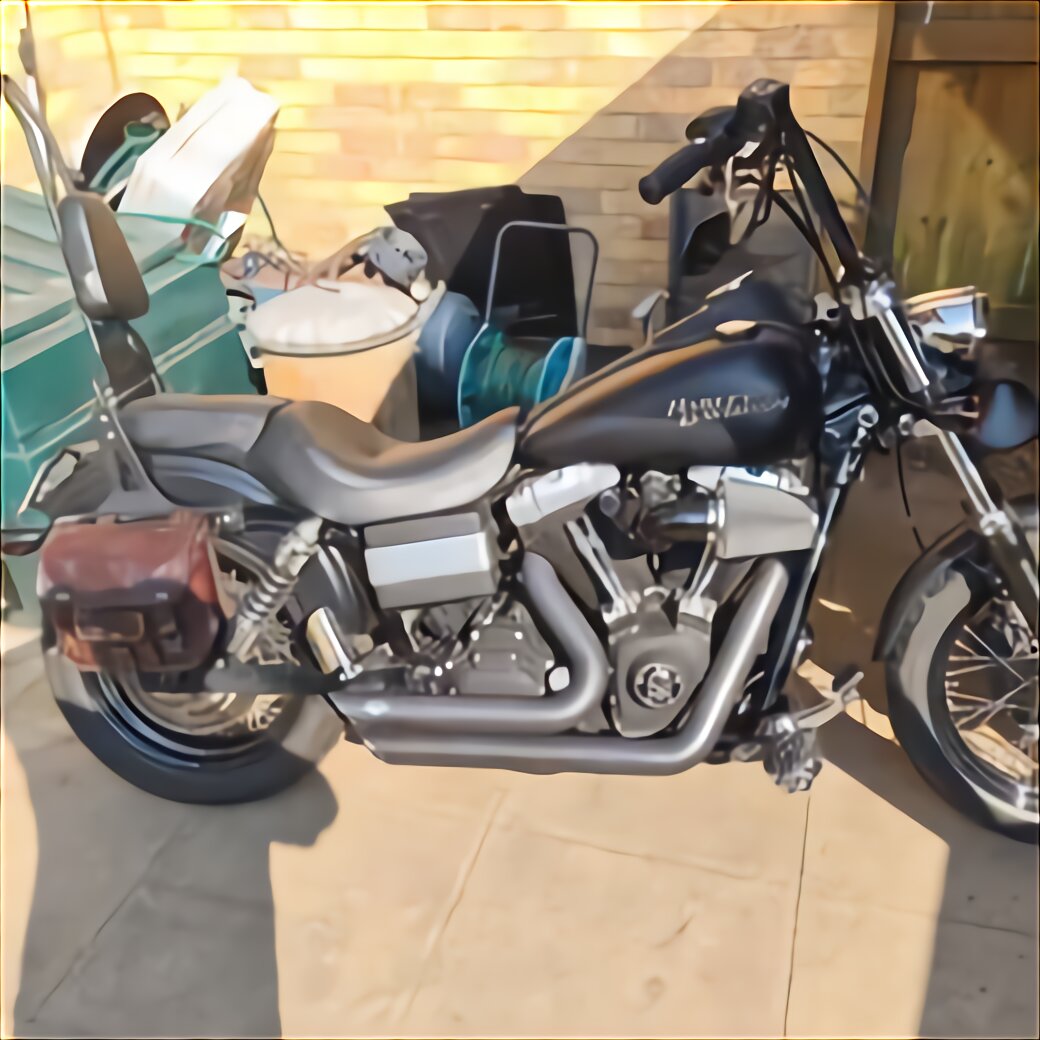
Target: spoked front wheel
{"type": "Point", "coordinates": [963, 700]}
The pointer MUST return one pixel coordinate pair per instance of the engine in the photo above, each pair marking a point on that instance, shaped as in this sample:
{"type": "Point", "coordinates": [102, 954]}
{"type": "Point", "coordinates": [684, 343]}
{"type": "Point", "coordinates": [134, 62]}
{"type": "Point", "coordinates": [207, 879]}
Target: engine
{"type": "Point", "coordinates": [659, 555]}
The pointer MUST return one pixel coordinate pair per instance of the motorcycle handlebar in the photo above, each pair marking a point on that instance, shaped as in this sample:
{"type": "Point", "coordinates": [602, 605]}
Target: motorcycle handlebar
{"type": "Point", "coordinates": [678, 168]}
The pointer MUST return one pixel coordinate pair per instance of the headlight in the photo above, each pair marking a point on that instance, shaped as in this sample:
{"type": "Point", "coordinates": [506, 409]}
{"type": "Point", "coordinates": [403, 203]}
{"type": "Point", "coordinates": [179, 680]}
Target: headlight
{"type": "Point", "coordinates": [950, 319]}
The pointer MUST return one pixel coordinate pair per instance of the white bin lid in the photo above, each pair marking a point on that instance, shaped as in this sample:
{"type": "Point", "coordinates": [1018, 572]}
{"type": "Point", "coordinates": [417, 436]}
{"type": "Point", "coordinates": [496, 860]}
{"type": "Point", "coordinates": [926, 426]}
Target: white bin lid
{"type": "Point", "coordinates": [318, 319]}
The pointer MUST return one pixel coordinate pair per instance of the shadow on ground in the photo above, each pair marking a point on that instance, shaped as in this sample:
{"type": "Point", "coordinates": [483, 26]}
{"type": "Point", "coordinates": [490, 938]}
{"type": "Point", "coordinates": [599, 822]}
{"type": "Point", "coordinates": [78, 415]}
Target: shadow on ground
{"type": "Point", "coordinates": [162, 912]}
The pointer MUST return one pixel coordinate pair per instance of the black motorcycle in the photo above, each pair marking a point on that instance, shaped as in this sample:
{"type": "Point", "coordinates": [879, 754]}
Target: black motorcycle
{"type": "Point", "coordinates": [615, 582]}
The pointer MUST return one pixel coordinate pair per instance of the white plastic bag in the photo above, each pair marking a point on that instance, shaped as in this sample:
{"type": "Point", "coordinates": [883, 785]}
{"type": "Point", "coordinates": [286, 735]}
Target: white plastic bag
{"type": "Point", "coordinates": [209, 163]}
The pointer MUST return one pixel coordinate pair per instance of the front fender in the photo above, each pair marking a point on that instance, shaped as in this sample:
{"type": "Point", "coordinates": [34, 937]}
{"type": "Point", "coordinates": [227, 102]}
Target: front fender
{"type": "Point", "coordinates": [959, 547]}
{"type": "Point", "coordinates": [953, 548]}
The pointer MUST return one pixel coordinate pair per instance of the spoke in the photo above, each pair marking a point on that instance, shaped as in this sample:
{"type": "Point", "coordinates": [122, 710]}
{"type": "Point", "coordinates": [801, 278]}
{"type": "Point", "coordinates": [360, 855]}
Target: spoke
{"type": "Point", "coordinates": [996, 657]}
{"type": "Point", "coordinates": [995, 706]}
{"type": "Point", "coordinates": [971, 668]}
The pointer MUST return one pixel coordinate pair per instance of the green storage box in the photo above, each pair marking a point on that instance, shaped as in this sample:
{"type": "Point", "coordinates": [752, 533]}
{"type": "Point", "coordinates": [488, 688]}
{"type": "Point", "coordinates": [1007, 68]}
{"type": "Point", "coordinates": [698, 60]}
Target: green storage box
{"type": "Point", "coordinates": [48, 362]}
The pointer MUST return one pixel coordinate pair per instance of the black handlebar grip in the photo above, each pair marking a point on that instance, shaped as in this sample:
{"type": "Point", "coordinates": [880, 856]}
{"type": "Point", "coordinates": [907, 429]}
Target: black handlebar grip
{"type": "Point", "coordinates": [677, 169]}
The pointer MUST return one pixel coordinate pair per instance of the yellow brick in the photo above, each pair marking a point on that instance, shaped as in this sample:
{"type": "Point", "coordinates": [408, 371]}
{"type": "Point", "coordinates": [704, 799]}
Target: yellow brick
{"type": "Point", "coordinates": [580, 149]}
{"type": "Point", "coordinates": [265, 16]}
{"type": "Point", "coordinates": [124, 15]}
{"type": "Point", "coordinates": [368, 70]}
{"type": "Point", "coordinates": [677, 15]}
{"type": "Point", "coordinates": [527, 16]}
{"type": "Point", "coordinates": [811, 101]}
{"type": "Point", "coordinates": [323, 15]}
{"type": "Point", "coordinates": [421, 96]}
{"type": "Point", "coordinates": [689, 101]}
{"type": "Point", "coordinates": [461, 172]}
{"type": "Point", "coordinates": [632, 249]}
{"type": "Point", "coordinates": [186, 16]}
{"type": "Point", "coordinates": [612, 126]}
{"type": "Point", "coordinates": [603, 16]}
{"type": "Point", "coordinates": [396, 16]}
{"type": "Point", "coordinates": [836, 128]}
{"type": "Point", "coordinates": [711, 43]}
{"type": "Point", "coordinates": [636, 45]}
{"type": "Point", "coordinates": [549, 173]}
{"type": "Point", "coordinates": [534, 124]}
{"type": "Point", "coordinates": [84, 45]}
{"type": "Point", "coordinates": [607, 71]}
{"type": "Point", "coordinates": [535, 99]}
{"type": "Point", "coordinates": [468, 16]}
{"type": "Point", "coordinates": [381, 193]}
{"type": "Point", "coordinates": [300, 92]}
{"type": "Point", "coordinates": [260, 68]}
{"type": "Point", "coordinates": [628, 272]}
{"type": "Point", "coordinates": [50, 22]}
{"type": "Point", "coordinates": [315, 190]}
{"type": "Point", "coordinates": [386, 140]}
{"type": "Point", "coordinates": [832, 72]}
{"type": "Point", "coordinates": [855, 42]}
{"type": "Point", "coordinates": [625, 202]}
{"type": "Point", "coordinates": [177, 66]}
{"type": "Point", "coordinates": [766, 16]}
{"type": "Point", "coordinates": [307, 142]}
{"type": "Point", "coordinates": [283, 165]}
{"type": "Point", "coordinates": [607, 226]}
{"type": "Point", "coordinates": [481, 148]}
{"type": "Point", "coordinates": [739, 72]}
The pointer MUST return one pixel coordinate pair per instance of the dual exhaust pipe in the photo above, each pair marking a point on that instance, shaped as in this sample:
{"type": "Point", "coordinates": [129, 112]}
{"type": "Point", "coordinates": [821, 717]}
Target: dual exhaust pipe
{"type": "Point", "coordinates": [529, 734]}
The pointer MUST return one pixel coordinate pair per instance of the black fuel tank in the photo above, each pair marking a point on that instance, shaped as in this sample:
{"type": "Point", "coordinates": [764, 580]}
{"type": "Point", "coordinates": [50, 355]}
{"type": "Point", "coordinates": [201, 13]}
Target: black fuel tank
{"type": "Point", "coordinates": [749, 401]}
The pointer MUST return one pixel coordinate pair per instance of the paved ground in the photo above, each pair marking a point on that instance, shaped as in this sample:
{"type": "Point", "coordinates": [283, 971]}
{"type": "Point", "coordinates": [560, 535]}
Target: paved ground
{"type": "Point", "coordinates": [393, 902]}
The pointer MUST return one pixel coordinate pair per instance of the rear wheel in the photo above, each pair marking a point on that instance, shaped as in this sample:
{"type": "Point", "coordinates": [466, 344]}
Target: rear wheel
{"type": "Point", "coordinates": [963, 701]}
{"type": "Point", "coordinates": [207, 748]}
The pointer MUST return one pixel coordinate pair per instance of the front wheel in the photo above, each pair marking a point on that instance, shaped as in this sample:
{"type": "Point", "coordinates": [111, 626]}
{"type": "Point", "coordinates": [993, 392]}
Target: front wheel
{"type": "Point", "coordinates": [963, 697]}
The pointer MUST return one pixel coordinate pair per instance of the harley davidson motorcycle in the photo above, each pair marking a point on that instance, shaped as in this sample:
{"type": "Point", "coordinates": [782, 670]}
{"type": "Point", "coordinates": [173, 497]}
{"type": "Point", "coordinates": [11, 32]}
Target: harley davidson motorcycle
{"type": "Point", "coordinates": [615, 582]}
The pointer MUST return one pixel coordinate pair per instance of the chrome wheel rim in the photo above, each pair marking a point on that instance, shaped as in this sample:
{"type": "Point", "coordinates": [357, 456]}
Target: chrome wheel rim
{"type": "Point", "coordinates": [991, 699]}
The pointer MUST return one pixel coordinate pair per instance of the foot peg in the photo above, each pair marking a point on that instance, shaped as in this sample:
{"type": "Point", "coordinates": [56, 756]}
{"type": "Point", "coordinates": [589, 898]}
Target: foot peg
{"type": "Point", "coordinates": [786, 742]}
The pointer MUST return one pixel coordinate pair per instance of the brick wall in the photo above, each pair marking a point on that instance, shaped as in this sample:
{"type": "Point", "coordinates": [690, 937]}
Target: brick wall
{"type": "Point", "coordinates": [381, 99]}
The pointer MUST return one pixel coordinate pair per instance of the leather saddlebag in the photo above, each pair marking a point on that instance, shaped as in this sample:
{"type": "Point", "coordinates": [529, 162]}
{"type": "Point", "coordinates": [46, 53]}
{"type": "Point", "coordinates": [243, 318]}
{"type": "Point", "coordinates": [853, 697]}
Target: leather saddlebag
{"type": "Point", "coordinates": [140, 595]}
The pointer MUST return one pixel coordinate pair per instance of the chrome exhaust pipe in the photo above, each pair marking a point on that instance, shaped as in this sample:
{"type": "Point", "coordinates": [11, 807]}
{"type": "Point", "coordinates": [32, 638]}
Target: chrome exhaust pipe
{"type": "Point", "coordinates": [490, 713]}
{"type": "Point", "coordinates": [574, 753]}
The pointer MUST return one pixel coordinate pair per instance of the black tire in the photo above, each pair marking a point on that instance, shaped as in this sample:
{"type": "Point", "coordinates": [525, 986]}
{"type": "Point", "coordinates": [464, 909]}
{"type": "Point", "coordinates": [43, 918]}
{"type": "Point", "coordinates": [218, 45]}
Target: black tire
{"type": "Point", "coordinates": [944, 600]}
{"type": "Point", "coordinates": [265, 767]}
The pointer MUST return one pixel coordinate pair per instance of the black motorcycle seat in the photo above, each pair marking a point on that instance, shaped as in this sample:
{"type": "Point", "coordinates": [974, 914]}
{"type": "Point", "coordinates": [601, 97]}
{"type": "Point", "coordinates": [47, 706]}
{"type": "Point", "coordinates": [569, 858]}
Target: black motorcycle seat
{"type": "Point", "coordinates": [325, 460]}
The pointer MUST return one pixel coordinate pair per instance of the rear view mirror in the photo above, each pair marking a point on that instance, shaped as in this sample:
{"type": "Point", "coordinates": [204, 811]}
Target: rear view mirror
{"type": "Point", "coordinates": [104, 274]}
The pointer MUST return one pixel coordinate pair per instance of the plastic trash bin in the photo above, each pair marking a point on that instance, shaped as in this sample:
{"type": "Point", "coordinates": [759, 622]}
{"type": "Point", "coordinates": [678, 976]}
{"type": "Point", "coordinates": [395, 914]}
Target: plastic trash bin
{"type": "Point", "coordinates": [348, 343]}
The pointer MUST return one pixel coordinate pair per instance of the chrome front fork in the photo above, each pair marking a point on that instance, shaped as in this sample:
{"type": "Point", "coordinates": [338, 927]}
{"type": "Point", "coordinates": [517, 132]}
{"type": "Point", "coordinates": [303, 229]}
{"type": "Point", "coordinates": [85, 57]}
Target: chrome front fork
{"type": "Point", "coordinates": [1011, 551]}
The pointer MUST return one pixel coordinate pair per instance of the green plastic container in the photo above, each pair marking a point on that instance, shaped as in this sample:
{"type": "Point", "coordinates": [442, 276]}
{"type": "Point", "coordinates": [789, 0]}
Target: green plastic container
{"type": "Point", "coordinates": [47, 360]}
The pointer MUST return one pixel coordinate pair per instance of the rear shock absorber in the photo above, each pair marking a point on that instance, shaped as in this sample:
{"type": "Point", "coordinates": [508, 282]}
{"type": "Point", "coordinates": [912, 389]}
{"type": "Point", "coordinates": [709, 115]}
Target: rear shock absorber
{"type": "Point", "coordinates": [273, 587]}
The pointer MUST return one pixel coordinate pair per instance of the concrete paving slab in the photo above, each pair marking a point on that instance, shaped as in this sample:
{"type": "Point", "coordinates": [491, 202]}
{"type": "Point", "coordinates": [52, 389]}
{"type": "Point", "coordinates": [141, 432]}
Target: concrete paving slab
{"type": "Point", "coordinates": [76, 840]}
{"type": "Point", "coordinates": [731, 820]}
{"type": "Point", "coordinates": [171, 963]}
{"type": "Point", "coordinates": [557, 938]}
{"type": "Point", "coordinates": [912, 920]}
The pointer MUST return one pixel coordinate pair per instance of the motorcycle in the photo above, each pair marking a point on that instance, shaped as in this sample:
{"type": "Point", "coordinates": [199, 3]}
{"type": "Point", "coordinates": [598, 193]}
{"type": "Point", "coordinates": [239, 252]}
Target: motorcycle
{"type": "Point", "coordinates": [616, 581]}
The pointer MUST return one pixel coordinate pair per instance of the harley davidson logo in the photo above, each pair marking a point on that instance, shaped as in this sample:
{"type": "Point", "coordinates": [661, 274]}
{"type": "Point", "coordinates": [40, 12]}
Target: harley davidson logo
{"type": "Point", "coordinates": [692, 410]}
